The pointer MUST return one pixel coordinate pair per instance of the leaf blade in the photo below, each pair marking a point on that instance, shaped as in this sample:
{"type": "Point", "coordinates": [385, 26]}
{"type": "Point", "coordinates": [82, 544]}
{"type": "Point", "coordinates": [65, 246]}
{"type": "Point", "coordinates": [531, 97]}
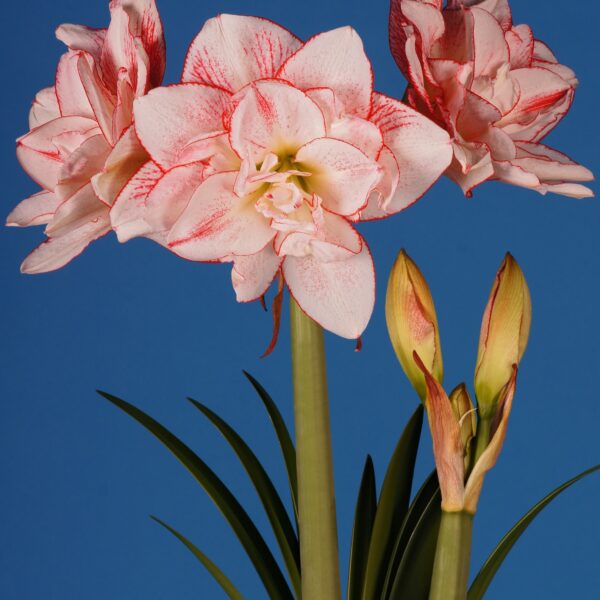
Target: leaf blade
{"type": "Point", "coordinates": [283, 435]}
{"type": "Point", "coordinates": [251, 539]}
{"type": "Point", "coordinates": [274, 508]}
{"type": "Point", "coordinates": [364, 517]}
{"type": "Point", "coordinates": [208, 564]}
{"type": "Point", "coordinates": [494, 561]}
{"type": "Point", "coordinates": [393, 505]}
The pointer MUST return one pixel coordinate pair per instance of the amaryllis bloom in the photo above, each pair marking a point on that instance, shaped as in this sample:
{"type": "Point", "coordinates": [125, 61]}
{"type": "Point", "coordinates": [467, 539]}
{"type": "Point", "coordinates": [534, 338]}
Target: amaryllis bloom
{"type": "Point", "coordinates": [267, 153]}
{"type": "Point", "coordinates": [496, 89]}
{"type": "Point", "coordinates": [81, 148]}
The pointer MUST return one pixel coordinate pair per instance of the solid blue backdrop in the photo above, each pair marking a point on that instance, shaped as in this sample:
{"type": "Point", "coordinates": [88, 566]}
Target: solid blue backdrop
{"type": "Point", "coordinates": [79, 478]}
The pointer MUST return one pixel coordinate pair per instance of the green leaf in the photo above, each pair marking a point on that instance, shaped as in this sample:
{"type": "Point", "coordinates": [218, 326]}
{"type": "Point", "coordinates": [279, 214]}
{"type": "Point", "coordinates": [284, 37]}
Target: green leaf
{"type": "Point", "coordinates": [496, 558]}
{"type": "Point", "coordinates": [364, 517]}
{"type": "Point", "coordinates": [283, 435]}
{"type": "Point", "coordinates": [393, 505]}
{"type": "Point", "coordinates": [413, 577]}
{"type": "Point", "coordinates": [255, 546]}
{"type": "Point", "coordinates": [418, 506]}
{"type": "Point", "coordinates": [276, 512]}
{"type": "Point", "coordinates": [210, 566]}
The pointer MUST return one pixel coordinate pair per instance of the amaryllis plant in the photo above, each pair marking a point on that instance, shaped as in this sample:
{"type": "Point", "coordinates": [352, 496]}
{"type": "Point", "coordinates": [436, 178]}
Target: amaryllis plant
{"type": "Point", "coordinates": [266, 155]}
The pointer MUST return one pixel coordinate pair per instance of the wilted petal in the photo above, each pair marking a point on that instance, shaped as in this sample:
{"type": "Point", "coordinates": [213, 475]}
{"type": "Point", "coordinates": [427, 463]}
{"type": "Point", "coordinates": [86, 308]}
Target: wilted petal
{"type": "Point", "coordinates": [232, 51]}
{"type": "Point", "coordinates": [175, 124]}
{"type": "Point", "coordinates": [56, 252]}
{"type": "Point", "coordinates": [274, 117]}
{"type": "Point", "coordinates": [341, 175]}
{"type": "Point", "coordinates": [422, 149]}
{"type": "Point", "coordinates": [44, 108]}
{"type": "Point", "coordinates": [252, 275]}
{"type": "Point", "coordinates": [218, 224]}
{"type": "Point", "coordinates": [339, 295]}
{"type": "Point", "coordinates": [337, 60]}
{"type": "Point", "coordinates": [35, 210]}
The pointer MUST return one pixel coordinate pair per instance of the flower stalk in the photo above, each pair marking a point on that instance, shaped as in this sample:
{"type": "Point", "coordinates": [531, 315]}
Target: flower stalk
{"type": "Point", "coordinates": [452, 557]}
{"type": "Point", "coordinates": [316, 499]}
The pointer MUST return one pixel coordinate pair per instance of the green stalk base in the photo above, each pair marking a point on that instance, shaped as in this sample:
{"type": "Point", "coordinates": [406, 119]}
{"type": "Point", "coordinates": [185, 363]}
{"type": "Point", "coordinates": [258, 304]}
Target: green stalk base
{"type": "Point", "coordinates": [319, 556]}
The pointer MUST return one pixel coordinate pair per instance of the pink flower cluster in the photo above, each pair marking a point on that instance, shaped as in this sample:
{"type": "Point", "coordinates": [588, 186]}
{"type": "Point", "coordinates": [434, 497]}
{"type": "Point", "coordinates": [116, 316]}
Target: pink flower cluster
{"type": "Point", "coordinates": [271, 149]}
{"type": "Point", "coordinates": [496, 89]}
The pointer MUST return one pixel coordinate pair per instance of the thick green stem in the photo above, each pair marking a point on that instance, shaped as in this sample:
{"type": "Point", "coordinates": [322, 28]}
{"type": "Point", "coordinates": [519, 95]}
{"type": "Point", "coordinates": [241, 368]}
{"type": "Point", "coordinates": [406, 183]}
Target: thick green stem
{"type": "Point", "coordinates": [483, 436]}
{"type": "Point", "coordinates": [316, 499]}
{"type": "Point", "coordinates": [452, 557]}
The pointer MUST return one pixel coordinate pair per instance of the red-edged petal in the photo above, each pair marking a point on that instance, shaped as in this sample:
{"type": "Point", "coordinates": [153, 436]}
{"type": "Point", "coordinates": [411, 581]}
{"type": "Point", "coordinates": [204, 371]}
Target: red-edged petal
{"type": "Point", "coordinates": [341, 175]}
{"type": "Point", "coordinates": [145, 24]}
{"type": "Point", "coordinates": [339, 295]}
{"type": "Point", "coordinates": [520, 45]}
{"type": "Point", "coordinates": [129, 209]}
{"type": "Point", "coordinates": [82, 38]}
{"type": "Point", "coordinates": [218, 224]}
{"type": "Point", "coordinates": [41, 153]}
{"type": "Point", "coordinates": [337, 60]}
{"type": "Point", "coordinates": [252, 275]}
{"type": "Point", "coordinates": [71, 95]}
{"type": "Point", "coordinates": [56, 252]}
{"type": "Point", "coordinates": [35, 210]}
{"type": "Point", "coordinates": [422, 149]}
{"type": "Point", "coordinates": [122, 163]}
{"type": "Point", "coordinates": [232, 51]}
{"type": "Point", "coordinates": [175, 124]}
{"type": "Point", "coordinates": [80, 208]}
{"type": "Point", "coordinates": [274, 117]}
{"type": "Point", "coordinates": [44, 108]}
{"type": "Point", "coordinates": [383, 194]}
{"type": "Point", "coordinates": [489, 45]}
{"type": "Point", "coordinates": [500, 10]}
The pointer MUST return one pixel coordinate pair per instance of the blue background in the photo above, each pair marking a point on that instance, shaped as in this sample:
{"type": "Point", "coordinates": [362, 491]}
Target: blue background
{"type": "Point", "coordinates": [79, 478]}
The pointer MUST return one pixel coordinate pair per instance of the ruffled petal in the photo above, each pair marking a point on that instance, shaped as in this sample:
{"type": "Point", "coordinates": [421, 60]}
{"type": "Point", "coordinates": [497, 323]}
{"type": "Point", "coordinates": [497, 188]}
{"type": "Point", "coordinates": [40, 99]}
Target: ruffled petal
{"type": "Point", "coordinates": [341, 175]}
{"type": "Point", "coordinates": [422, 150]}
{"type": "Point", "coordinates": [82, 39]}
{"type": "Point", "coordinates": [71, 95]}
{"type": "Point", "coordinates": [338, 295]}
{"type": "Point", "coordinates": [44, 108]}
{"type": "Point", "coordinates": [337, 60]}
{"type": "Point", "coordinates": [176, 124]}
{"type": "Point", "coordinates": [232, 51]}
{"type": "Point", "coordinates": [252, 275]}
{"type": "Point", "coordinates": [56, 252]}
{"type": "Point", "coordinates": [489, 45]}
{"type": "Point", "coordinates": [218, 224]}
{"type": "Point", "coordinates": [274, 117]}
{"type": "Point", "coordinates": [122, 163]}
{"type": "Point", "coordinates": [35, 210]}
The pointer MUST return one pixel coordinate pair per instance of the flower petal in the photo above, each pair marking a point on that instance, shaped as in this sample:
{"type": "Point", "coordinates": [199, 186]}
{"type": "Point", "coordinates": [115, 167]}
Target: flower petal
{"type": "Point", "coordinates": [274, 117]}
{"type": "Point", "coordinates": [341, 175]}
{"type": "Point", "coordinates": [218, 224]}
{"type": "Point", "coordinates": [232, 51]}
{"type": "Point", "coordinates": [56, 252]}
{"type": "Point", "coordinates": [71, 95]}
{"type": "Point", "coordinates": [35, 210]}
{"type": "Point", "coordinates": [383, 194]}
{"type": "Point", "coordinates": [40, 152]}
{"type": "Point", "coordinates": [122, 163]}
{"type": "Point", "coordinates": [337, 60]}
{"type": "Point", "coordinates": [422, 149]}
{"type": "Point", "coordinates": [339, 295]}
{"type": "Point", "coordinates": [82, 38]}
{"type": "Point", "coordinates": [44, 108]}
{"type": "Point", "coordinates": [80, 208]}
{"type": "Point", "coordinates": [489, 45]}
{"type": "Point", "coordinates": [252, 275]}
{"type": "Point", "coordinates": [176, 123]}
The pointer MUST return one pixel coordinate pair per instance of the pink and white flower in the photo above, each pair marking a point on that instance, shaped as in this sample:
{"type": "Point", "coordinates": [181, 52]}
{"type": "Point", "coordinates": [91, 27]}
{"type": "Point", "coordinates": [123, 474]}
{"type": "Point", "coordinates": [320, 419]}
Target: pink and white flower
{"type": "Point", "coordinates": [81, 148]}
{"type": "Point", "coordinates": [496, 89]}
{"type": "Point", "coordinates": [267, 153]}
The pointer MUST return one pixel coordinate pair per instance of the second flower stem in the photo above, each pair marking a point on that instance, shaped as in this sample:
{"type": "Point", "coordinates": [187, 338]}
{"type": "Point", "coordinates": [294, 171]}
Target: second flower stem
{"type": "Point", "coordinates": [316, 499]}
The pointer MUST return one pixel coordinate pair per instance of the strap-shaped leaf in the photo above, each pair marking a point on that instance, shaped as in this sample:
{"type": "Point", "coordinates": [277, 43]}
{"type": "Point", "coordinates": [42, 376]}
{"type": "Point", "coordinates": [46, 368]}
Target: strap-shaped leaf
{"type": "Point", "coordinates": [364, 517]}
{"type": "Point", "coordinates": [210, 566]}
{"type": "Point", "coordinates": [255, 546]}
{"type": "Point", "coordinates": [417, 507]}
{"type": "Point", "coordinates": [276, 512]}
{"type": "Point", "coordinates": [492, 564]}
{"type": "Point", "coordinates": [393, 505]}
{"type": "Point", "coordinates": [413, 577]}
{"type": "Point", "coordinates": [283, 435]}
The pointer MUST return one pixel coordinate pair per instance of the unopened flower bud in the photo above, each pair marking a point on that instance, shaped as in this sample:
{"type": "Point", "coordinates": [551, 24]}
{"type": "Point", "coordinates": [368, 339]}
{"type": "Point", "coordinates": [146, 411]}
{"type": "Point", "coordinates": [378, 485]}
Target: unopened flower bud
{"type": "Point", "coordinates": [412, 322]}
{"type": "Point", "coordinates": [504, 335]}
{"type": "Point", "coordinates": [466, 416]}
